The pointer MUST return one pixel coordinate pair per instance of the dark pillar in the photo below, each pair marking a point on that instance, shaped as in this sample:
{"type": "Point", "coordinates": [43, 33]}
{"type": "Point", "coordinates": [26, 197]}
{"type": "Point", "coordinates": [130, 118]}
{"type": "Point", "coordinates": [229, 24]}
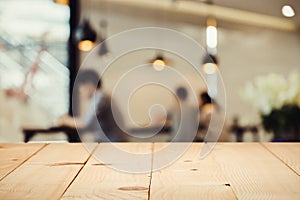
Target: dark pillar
{"type": "Point", "coordinates": [73, 60]}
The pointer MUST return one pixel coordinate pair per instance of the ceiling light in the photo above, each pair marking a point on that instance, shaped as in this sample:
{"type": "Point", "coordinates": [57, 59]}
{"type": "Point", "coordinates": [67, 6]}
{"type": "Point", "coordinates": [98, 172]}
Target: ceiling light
{"type": "Point", "coordinates": [85, 45]}
{"type": "Point", "coordinates": [210, 64]}
{"type": "Point", "coordinates": [159, 63]}
{"type": "Point", "coordinates": [288, 11]}
{"type": "Point", "coordinates": [85, 36]}
{"type": "Point", "coordinates": [210, 68]}
{"type": "Point", "coordinates": [211, 33]}
{"type": "Point", "coordinates": [63, 2]}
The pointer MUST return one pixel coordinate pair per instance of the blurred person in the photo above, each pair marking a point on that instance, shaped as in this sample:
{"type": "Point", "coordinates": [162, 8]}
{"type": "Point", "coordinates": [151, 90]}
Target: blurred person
{"type": "Point", "coordinates": [208, 107]}
{"type": "Point", "coordinates": [98, 113]}
{"type": "Point", "coordinates": [185, 118]}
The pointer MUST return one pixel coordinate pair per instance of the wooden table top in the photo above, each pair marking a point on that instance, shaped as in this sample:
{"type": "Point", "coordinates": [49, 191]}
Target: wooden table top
{"type": "Point", "coordinates": [230, 171]}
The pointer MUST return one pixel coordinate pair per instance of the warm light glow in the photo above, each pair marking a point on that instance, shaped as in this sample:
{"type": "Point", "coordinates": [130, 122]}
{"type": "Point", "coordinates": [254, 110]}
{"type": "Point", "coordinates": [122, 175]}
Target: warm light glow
{"type": "Point", "coordinates": [210, 68]}
{"type": "Point", "coordinates": [211, 37]}
{"type": "Point", "coordinates": [159, 65]}
{"type": "Point", "coordinates": [85, 45]}
{"type": "Point", "coordinates": [288, 11]}
{"type": "Point", "coordinates": [64, 2]}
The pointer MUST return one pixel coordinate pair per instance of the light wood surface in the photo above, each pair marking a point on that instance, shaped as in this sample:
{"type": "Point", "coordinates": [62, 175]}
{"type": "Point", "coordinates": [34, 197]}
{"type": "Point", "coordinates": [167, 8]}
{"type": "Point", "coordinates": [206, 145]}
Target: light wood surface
{"type": "Point", "coordinates": [88, 171]}
{"type": "Point", "coordinates": [254, 173]}
{"type": "Point", "coordinates": [189, 177]}
{"type": "Point", "coordinates": [13, 155]}
{"type": "Point", "coordinates": [102, 182]}
{"type": "Point", "coordinates": [289, 153]}
{"type": "Point", "coordinates": [47, 174]}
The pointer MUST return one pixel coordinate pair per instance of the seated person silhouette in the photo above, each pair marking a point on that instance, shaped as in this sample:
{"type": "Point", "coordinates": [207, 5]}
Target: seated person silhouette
{"type": "Point", "coordinates": [209, 107]}
{"type": "Point", "coordinates": [185, 117]}
{"type": "Point", "coordinates": [97, 119]}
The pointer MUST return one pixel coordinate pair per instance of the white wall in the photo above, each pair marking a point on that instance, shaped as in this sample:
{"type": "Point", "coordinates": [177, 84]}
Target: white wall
{"type": "Point", "coordinates": [244, 53]}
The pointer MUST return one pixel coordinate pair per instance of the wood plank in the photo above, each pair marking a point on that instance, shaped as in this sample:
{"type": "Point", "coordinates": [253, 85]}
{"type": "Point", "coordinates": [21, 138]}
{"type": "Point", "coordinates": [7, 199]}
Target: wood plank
{"type": "Point", "coordinates": [289, 153]}
{"type": "Point", "coordinates": [63, 153]}
{"type": "Point", "coordinates": [98, 180]}
{"type": "Point", "coordinates": [254, 173]}
{"type": "Point", "coordinates": [13, 155]}
{"type": "Point", "coordinates": [189, 177]}
{"type": "Point", "coordinates": [47, 174]}
{"type": "Point", "coordinates": [231, 171]}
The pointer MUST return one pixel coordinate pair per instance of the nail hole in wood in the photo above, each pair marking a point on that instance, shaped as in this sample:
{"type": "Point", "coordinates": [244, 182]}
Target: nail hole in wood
{"type": "Point", "coordinates": [65, 163]}
{"type": "Point", "coordinates": [227, 184]}
{"type": "Point", "coordinates": [132, 188]}
{"type": "Point", "coordinates": [100, 164]}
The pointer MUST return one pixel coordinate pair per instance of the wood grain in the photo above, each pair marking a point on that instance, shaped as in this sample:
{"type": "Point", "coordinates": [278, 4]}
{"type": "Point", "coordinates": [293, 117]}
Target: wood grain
{"type": "Point", "coordinates": [47, 174]}
{"type": "Point", "coordinates": [63, 153]}
{"type": "Point", "coordinates": [255, 173]}
{"type": "Point", "coordinates": [230, 171]}
{"type": "Point", "coordinates": [289, 153]}
{"type": "Point", "coordinates": [13, 155]}
{"type": "Point", "coordinates": [98, 180]}
{"type": "Point", "coordinates": [189, 177]}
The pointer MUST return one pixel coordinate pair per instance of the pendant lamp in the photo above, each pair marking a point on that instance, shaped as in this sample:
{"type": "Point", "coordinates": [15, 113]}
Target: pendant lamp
{"type": "Point", "coordinates": [210, 64]}
{"type": "Point", "coordinates": [85, 36]}
{"type": "Point", "coordinates": [159, 62]}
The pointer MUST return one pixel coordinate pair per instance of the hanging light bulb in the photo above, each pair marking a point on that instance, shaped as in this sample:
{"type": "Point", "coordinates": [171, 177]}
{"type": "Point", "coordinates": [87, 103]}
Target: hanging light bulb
{"type": "Point", "coordinates": [85, 45]}
{"type": "Point", "coordinates": [211, 34]}
{"type": "Point", "coordinates": [210, 64]}
{"type": "Point", "coordinates": [287, 11]}
{"type": "Point", "coordinates": [85, 36]}
{"type": "Point", "coordinates": [159, 63]}
{"type": "Point", "coordinates": [63, 2]}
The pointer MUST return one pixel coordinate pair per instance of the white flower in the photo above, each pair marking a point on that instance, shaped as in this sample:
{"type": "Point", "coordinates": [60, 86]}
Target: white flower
{"type": "Point", "coordinates": [273, 91]}
{"type": "Point", "coordinates": [293, 91]}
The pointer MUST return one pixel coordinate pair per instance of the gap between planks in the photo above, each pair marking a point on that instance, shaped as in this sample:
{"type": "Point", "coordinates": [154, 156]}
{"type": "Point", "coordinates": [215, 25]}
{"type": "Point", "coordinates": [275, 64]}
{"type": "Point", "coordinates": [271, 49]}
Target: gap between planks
{"type": "Point", "coordinates": [99, 180]}
{"type": "Point", "coordinates": [151, 172]}
{"type": "Point", "coordinates": [279, 158]}
{"type": "Point", "coordinates": [24, 161]}
{"type": "Point", "coordinates": [60, 163]}
{"type": "Point", "coordinates": [91, 154]}
{"type": "Point", "coordinates": [188, 177]}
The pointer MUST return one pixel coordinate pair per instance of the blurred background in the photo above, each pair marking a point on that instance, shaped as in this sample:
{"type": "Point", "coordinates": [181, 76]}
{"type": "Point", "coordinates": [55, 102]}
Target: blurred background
{"type": "Point", "coordinates": [254, 44]}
